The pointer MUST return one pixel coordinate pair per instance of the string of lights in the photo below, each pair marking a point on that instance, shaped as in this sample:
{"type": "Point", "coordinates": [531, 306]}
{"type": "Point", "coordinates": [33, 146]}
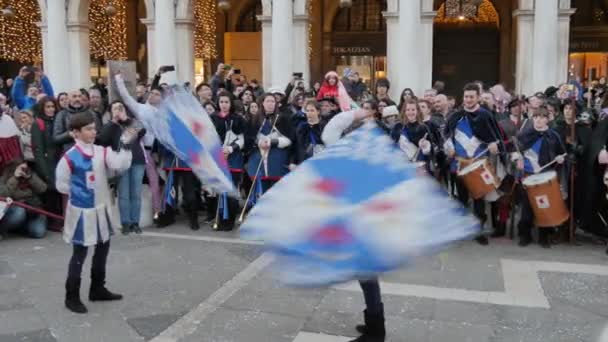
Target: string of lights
{"type": "Point", "coordinates": [20, 37]}
{"type": "Point", "coordinates": [108, 29]}
{"type": "Point", "coordinates": [205, 13]}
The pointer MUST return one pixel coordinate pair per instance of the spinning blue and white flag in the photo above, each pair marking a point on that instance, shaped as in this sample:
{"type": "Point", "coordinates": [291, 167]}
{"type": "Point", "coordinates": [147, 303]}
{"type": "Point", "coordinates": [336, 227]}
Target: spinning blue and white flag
{"type": "Point", "coordinates": [185, 129]}
{"type": "Point", "coordinates": [355, 210]}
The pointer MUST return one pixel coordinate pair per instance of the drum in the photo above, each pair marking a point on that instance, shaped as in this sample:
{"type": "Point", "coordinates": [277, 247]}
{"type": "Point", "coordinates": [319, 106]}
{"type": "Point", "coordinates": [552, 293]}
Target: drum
{"type": "Point", "coordinates": [479, 178]}
{"type": "Point", "coordinates": [546, 199]}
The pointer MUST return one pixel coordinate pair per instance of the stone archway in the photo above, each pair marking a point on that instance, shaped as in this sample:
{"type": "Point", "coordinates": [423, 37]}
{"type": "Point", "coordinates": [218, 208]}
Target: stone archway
{"type": "Point", "coordinates": [485, 41]}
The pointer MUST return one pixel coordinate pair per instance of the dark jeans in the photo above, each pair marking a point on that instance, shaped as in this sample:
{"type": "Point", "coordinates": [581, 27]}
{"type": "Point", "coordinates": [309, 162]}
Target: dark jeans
{"type": "Point", "coordinates": [372, 295]}
{"type": "Point", "coordinates": [18, 220]}
{"type": "Point", "coordinates": [191, 190]}
{"type": "Point", "coordinates": [98, 266]}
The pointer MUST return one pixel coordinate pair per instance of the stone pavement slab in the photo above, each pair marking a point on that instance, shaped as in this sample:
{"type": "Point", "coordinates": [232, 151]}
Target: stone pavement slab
{"type": "Point", "coordinates": [168, 274]}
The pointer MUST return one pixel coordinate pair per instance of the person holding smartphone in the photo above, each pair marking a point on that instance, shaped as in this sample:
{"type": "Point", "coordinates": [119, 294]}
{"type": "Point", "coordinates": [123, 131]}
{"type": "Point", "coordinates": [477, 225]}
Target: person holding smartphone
{"type": "Point", "coordinates": [25, 90]}
{"type": "Point", "coordinates": [19, 183]}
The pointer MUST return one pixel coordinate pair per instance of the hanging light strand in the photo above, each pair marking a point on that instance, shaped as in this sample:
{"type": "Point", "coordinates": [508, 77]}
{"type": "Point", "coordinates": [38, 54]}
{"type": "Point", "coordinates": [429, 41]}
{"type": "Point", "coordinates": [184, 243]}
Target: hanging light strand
{"type": "Point", "coordinates": [205, 12]}
{"type": "Point", "coordinates": [108, 34]}
{"type": "Point", "coordinates": [20, 37]}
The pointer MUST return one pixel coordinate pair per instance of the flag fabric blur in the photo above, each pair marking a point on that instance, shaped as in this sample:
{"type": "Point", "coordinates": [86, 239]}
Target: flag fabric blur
{"type": "Point", "coordinates": [353, 211]}
{"type": "Point", "coordinates": [170, 193]}
{"type": "Point", "coordinates": [185, 129]}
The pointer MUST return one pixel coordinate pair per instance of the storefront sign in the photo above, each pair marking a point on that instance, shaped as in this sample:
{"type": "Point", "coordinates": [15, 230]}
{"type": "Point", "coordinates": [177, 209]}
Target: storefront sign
{"type": "Point", "coordinates": [358, 44]}
{"type": "Point", "coordinates": [353, 50]}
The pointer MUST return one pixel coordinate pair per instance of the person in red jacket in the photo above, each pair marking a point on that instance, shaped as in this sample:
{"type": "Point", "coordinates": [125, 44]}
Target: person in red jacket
{"type": "Point", "coordinates": [333, 88]}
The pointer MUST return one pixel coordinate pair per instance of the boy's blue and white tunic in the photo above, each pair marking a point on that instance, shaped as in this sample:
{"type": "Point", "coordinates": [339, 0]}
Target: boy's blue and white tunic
{"type": "Point", "coordinates": [82, 174]}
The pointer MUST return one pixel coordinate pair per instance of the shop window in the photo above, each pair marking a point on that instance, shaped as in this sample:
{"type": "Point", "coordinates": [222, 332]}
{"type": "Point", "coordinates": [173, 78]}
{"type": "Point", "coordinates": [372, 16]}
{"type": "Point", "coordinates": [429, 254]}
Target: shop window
{"type": "Point", "coordinates": [588, 65]}
{"type": "Point", "coordinates": [364, 15]}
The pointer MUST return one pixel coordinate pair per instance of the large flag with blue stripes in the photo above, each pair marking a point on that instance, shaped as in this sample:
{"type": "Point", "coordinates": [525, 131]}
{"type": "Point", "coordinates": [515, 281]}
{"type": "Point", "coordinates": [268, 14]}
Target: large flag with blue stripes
{"type": "Point", "coordinates": [185, 129]}
{"type": "Point", "coordinates": [353, 211]}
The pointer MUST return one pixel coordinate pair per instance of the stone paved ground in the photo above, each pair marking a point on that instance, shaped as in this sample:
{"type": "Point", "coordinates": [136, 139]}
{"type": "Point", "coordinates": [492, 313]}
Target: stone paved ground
{"type": "Point", "coordinates": [191, 286]}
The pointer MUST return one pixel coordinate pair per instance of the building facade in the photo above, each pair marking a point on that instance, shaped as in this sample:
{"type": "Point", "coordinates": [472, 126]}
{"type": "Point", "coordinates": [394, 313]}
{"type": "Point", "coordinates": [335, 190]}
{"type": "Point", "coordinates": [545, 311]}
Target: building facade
{"type": "Point", "coordinates": [524, 44]}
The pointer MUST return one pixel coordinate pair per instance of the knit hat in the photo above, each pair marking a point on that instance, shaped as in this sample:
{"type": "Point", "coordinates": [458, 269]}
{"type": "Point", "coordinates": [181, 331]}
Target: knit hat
{"type": "Point", "coordinates": [389, 111]}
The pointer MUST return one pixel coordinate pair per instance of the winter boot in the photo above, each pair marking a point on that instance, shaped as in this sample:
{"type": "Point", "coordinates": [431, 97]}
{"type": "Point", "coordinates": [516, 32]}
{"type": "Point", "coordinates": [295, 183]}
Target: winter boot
{"type": "Point", "coordinates": [72, 296]}
{"type": "Point", "coordinates": [98, 291]}
{"type": "Point", "coordinates": [193, 220]}
{"type": "Point", "coordinates": [373, 330]}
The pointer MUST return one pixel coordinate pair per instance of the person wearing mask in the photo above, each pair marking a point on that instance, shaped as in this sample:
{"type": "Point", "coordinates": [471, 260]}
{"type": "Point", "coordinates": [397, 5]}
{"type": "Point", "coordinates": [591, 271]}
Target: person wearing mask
{"type": "Point", "coordinates": [61, 134]}
{"type": "Point", "coordinates": [382, 104]}
{"type": "Point", "coordinates": [20, 183]}
{"type": "Point", "coordinates": [130, 181]}
{"type": "Point", "coordinates": [406, 94]}
{"type": "Point", "coordinates": [146, 114]}
{"type": "Point", "coordinates": [46, 156]}
{"type": "Point", "coordinates": [24, 91]}
{"type": "Point", "coordinates": [382, 87]}
{"type": "Point", "coordinates": [25, 119]}
{"type": "Point", "coordinates": [390, 117]}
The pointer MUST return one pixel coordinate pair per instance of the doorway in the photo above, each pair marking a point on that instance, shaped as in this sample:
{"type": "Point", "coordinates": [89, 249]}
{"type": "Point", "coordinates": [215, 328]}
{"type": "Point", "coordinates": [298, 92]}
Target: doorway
{"type": "Point", "coordinates": [462, 55]}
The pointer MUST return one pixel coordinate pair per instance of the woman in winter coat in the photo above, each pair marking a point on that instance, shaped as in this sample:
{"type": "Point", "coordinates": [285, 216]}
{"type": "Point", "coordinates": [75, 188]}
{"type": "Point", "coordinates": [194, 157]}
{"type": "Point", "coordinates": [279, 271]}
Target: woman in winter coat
{"type": "Point", "coordinates": [46, 155]}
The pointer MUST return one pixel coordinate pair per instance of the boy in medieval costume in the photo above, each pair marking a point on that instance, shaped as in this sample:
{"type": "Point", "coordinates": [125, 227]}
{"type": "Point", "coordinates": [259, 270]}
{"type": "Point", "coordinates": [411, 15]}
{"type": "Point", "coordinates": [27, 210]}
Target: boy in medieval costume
{"type": "Point", "coordinates": [90, 220]}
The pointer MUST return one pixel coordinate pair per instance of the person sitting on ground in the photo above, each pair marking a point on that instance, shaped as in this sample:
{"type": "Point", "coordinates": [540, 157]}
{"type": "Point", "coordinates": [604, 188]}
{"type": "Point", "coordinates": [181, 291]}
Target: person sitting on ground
{"type": "Point", "coordinates": [19, 183]}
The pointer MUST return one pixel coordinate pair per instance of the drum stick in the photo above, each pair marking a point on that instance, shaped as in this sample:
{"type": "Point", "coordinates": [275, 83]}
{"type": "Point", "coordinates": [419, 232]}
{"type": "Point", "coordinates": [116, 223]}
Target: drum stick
{"type": "Point", "coordinates": [551, 163]}
{"type": "Point", "coordinates": [255, 178]}
{"type": "Point", "coordinates": [34, 209]}
{"type": "Point", "coordinates": [482, 153]}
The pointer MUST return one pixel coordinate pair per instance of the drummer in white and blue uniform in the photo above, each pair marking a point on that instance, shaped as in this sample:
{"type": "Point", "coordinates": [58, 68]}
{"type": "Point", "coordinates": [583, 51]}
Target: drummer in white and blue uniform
{"type": "Point", "coordinates": [90, 219]}
{"type": "Point", "coordinates": [540, 145]}
{"type": "Point", "coordinates": [470, 133]}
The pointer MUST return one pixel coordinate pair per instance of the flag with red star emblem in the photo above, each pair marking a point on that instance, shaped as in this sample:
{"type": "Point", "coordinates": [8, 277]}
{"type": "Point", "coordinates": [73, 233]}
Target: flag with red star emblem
{"type": "Point", "coordinates": [353, 211]}
{"type": "Point", "coordinates": [185, 129]}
